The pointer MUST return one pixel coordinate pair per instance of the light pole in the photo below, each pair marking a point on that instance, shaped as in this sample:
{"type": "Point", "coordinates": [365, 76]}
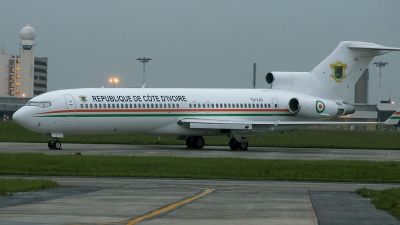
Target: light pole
{"type": "Point", "coordinates": [114, 81]}
{"type": "Point", "coordinates": [144, 60]}
{"type": "Point", "coordinates": [380, 64]}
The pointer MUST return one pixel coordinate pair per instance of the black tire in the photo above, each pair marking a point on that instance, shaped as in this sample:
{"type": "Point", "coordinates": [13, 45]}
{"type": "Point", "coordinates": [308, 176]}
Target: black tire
{"type": "Point", "coordinates": [233, 144]}
{"type": "Point", "coordinates": [50, 145]}
{"type": "Point", "coordinates": [57, 145]}
{"type": "Point", "coordinates": [243, 145]}
{"type": "Point", "coordinates": [198, 142]}
{"type": "Point", "coordinates": [189, 142]}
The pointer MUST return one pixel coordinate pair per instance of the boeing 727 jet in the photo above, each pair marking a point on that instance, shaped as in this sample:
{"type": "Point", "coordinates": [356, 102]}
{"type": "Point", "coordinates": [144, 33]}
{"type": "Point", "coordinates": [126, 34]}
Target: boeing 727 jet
{"type": "Point", "coordinates": [295, 99]}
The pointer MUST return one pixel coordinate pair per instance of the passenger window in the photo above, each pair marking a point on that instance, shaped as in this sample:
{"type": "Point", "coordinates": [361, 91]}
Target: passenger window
{"type": "Point", "coordinates": [122, 106]}
{"type": "Point", "coordinates": [160, 105]}
{"type": "Point", "coordinates": [165, 105]}
{"type": "Point", "coordinates": [257, 105]}
{"type": "Point", "coordinates": [190, 105]}
{"type": "Point", "coordinates": [212, 105]}
{"type": "Point", "coordinates": [241, 105]}
{"type": "Point", "coordinates": [276, 106]}
{"type": "Point", "coordinates": [117, 105]}
{"type": "Point", "coordinates": [91, 106]}
{"type": "Point", "coordinates": [138, 106]}
{"type": "Point", "coordinates": [261, 105]}
{"type": "Point", "coordinates": [86, 106]}
{"type": "Point", "coordinates": [229, 105]}
{"type": "Point", "coordinates": [130, 105]}
{"type": "Point", "coordinates": [199, 106]}
{"type": "Point", "coordinates": [99, 106]}
{"type": "Point", "coordinates": [148, 105]}
{"type": "Point", "coordinates": [216, 105]}
{"type": "Point", "coordinates": [173, 105]}
{"type": "Point", "coordinates": [81, 106]}
{"type": "Point", "coordinates": [95, 106]}
{"type": "Point", "coordinates": [156, 105]}
{"type": "Point", "coordinates": [177, 105]}
{"type": "Point", "coordinates": [152, 106]}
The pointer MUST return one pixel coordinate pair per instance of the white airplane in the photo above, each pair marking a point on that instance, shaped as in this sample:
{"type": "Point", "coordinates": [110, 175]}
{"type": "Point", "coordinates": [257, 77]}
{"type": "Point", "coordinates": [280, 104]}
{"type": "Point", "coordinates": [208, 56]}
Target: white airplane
{"type": "Point", "coordinates": [295, 99]}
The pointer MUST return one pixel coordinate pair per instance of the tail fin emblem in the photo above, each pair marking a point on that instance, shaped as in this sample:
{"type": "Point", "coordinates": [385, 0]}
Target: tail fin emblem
{"type": "Point", "coordinates": [338, 71]}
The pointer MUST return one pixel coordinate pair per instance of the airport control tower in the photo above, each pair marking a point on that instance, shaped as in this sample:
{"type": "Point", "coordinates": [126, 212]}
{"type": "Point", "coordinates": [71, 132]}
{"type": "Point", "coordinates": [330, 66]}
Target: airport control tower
{"type": "Point", "coordinates": [24, 65]}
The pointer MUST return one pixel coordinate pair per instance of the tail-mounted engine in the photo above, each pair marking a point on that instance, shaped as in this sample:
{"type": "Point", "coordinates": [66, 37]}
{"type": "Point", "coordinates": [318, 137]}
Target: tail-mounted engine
{"type": "Point", "coordinates": [289, 81]}
{"type": "Point", "coordinates": [315, 107]}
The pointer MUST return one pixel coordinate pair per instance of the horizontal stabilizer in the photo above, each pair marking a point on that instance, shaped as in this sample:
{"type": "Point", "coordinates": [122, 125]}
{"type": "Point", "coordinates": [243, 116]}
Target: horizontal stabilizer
{"type": "Point", "coordinates": [371, 46]}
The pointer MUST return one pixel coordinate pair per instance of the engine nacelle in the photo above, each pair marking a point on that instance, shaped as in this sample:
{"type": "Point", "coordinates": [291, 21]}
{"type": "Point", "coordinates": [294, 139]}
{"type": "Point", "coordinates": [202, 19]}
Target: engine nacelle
{"type": "Point", "coordinates": [345, 108]}
{"type": "Point", "coordinates": [290, 81]}
{"type": "Point", "coordinates": [316, 107]}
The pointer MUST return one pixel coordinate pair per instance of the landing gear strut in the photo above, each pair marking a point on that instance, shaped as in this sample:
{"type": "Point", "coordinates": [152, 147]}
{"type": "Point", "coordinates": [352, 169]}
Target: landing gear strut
{"type": "Point", "coordinates": [195, 142]}
{"type": "Point", "coordinates": [54, 144]}
{"type": "Point", "coordinates": [235, 145]}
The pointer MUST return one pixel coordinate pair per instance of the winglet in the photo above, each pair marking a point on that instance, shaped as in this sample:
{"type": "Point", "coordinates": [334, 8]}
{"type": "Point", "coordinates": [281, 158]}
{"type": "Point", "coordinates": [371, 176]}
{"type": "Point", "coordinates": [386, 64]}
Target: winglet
{"type": "Point", "coordinates": [394, 119]}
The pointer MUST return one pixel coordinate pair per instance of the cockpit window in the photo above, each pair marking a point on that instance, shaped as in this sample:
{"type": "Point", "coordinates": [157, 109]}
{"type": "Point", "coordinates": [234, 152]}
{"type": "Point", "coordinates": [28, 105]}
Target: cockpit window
{"type": "Point", "coordinates": [39, 104]}
{"type": "Point", "coordinates": [30, 103]}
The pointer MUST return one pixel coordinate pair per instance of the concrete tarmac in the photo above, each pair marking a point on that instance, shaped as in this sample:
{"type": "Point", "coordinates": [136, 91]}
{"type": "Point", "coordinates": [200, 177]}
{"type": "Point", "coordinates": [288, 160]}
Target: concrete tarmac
{"type": "Point", "coordinates": [86, 200]}
{"type": "Point", "coordinates": [207, 151]}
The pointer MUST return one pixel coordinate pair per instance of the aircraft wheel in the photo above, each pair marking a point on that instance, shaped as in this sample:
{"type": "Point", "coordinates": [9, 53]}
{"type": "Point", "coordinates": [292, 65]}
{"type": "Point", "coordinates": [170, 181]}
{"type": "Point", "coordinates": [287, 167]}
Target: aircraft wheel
{"type": "Point", "coordinates": [198, 142]}
{"type": "Point", "coordinates": [189, 142]}
{"type": "Point", "coordinates": [50, 145]}
{"type": "Point", "coordinates": [57, 145]}
{"type": "Point", "coordinates": [233, 144]}
{"type": "Point", "coordinates": [243, 145]}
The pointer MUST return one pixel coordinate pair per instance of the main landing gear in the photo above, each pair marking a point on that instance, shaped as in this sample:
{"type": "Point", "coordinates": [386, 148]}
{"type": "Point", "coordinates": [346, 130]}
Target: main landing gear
{"type": "Point", "coordinates": [198, 142]}
{"type": "Point", "coordinates": [235, 145]}
{"type": "Point", "coordinates": [195, 142]}
{"type": "Point", "coordinates": [54, 144]}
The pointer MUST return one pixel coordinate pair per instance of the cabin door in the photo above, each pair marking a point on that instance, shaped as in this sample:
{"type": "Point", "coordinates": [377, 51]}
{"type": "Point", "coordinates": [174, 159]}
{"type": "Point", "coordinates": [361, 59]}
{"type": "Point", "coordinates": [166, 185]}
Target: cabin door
{"type": "Point", "coordinates": [71, 109]}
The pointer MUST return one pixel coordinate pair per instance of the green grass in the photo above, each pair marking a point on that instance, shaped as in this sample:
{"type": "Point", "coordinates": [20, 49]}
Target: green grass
{"type": "Point", "coordinates": [388, 200]}
{"type": "Point", "coordinates": [12, 132]}
{"type": "Point", "coordinates": [183, 167]}
{"type": "Point", "coordinates": [9, 186]}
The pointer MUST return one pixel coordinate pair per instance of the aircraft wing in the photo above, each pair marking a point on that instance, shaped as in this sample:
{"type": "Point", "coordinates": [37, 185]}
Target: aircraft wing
{"type": "Point", "coordinates": [203, 123]}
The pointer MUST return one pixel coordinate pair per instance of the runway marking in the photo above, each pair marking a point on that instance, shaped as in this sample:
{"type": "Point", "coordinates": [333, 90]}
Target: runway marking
{"type": "Point", "coordinates": [170, 207]}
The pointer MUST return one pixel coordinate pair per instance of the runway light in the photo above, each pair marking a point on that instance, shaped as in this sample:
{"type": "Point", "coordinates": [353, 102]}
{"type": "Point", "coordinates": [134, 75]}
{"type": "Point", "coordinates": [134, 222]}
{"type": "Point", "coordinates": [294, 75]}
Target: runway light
{"type": "Point", "coordinates": [392, 102]}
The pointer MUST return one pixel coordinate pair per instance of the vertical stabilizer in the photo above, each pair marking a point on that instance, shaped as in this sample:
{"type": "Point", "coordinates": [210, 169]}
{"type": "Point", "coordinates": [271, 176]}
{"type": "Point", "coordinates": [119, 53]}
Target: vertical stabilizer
{"type": "Point", "coordinates": [336, 75]}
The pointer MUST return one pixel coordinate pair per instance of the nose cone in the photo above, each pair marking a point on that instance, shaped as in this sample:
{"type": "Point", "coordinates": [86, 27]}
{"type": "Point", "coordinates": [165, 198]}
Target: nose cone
{"type": "Point", "coordinates": [21, 117]}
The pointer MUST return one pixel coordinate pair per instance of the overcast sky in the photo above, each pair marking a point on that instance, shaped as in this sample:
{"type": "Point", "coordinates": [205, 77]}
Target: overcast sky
{"type": "Point", "coordinates": [198, 43]}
